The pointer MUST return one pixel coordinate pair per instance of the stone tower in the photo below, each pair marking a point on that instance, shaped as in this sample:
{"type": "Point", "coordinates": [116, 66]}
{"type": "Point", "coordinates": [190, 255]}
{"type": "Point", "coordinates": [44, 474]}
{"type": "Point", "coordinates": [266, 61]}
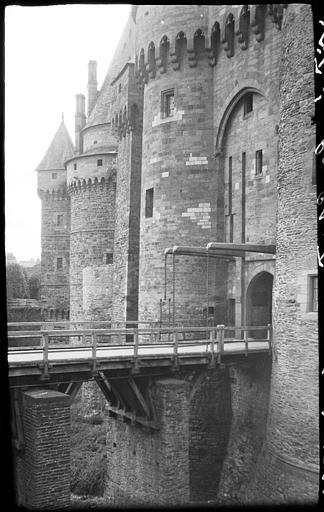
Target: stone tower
{"type": "Point", "coordinates": [55, 257]}
{"type": "Point", "coordinates": [288, 466]}
{"type": "Point", "coordinates": [209, 160]}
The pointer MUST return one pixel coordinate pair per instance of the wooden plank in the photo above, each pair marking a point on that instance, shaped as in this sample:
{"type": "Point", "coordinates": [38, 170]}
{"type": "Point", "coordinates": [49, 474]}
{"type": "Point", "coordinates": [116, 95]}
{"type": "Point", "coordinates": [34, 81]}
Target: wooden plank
{"type": "Point", "coordinates": [139, 396]}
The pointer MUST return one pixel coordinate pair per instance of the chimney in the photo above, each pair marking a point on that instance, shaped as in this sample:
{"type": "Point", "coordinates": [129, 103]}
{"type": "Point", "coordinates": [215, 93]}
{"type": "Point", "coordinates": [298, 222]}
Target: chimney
{"type": "Point", "coordinates": [92, 84]}
{"type": "Point", "coordinates": [80, 121]}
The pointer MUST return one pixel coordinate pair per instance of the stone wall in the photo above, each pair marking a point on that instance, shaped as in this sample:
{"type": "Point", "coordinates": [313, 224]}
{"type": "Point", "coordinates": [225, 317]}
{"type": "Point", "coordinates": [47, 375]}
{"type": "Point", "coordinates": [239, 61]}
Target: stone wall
{"type": "Point", "coordinates": [152, 468]}
{"type": "Point", "coordinates": [92, 233]}
{"type": "Point", "coordinates": [249, 396]}
{"type": "Point", "coordinates": [287, 471]}
{"type": "Point", "coordinates": [54, 289]}
{"type": "Point", "coordinates": [43, 468]}
{"type": "Point", "coordinates": [97, 292]}
{"type": "Point", "coordinates": [128, 195]}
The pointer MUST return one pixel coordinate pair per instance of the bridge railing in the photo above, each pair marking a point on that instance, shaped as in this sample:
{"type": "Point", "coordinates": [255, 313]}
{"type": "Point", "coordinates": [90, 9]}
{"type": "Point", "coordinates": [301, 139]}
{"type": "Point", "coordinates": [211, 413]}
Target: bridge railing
{"type": "Point", "coordinates": [212, 340]}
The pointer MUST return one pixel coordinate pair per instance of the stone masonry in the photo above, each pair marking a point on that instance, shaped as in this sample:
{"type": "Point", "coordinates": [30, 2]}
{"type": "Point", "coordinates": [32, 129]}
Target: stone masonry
{"type": "Point", "coordinates": [201, 132]}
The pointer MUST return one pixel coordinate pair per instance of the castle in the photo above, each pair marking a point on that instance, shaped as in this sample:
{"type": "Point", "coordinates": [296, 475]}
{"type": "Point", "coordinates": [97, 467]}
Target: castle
{"type": "Point", "coordinates": [201, 134]}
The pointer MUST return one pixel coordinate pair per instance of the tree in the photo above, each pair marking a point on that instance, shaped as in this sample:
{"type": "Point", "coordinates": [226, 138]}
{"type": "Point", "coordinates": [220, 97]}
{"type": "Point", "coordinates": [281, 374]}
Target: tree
{"type": "Point", "coordinates": [17, 287]}
{"type": "Point", "coordinates": [34, 285]}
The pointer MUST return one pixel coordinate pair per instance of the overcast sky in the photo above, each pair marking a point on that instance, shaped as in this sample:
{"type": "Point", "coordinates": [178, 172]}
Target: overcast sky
{"type": "Point", "coordinates": [47, 49]}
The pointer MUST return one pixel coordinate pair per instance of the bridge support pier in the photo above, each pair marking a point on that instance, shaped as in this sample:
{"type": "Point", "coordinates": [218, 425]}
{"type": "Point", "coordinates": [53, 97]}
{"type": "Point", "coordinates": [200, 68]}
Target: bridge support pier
{"type": "Point", "coordinates": [43, 465]}
{"type": "Point", "coordinates": [147, 467]}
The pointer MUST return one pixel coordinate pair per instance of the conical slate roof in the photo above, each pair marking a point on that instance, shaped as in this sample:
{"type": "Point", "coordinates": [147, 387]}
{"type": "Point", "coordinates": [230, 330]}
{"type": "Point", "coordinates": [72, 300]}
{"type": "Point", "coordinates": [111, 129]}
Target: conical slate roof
{"type": "Point", "coordinates": [123, 54]}
{"type": "Point", "coordinates": [60, 150]}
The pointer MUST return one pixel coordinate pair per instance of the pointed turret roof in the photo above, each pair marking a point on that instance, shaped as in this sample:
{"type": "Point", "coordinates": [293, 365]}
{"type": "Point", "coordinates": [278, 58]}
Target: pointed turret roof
{"type": "Point", "coordinates": [60, 150]}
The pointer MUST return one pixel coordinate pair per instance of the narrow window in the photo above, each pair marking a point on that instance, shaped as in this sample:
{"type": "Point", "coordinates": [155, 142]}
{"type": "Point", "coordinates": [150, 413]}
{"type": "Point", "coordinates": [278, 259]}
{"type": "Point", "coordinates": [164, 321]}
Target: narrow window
{"type": "Point", "coordinates": [313, 294]}
{"type": "Point", "coordinates": [258, 162]}
{"type": "Point", "coordinates": [167, 106]}
{"type": "Point", "coordinates": [54, 175]}
{"type": "Point", "coordinates": [95, 141]}
{"type": "Point", "coordinates": [99, 162]}
{"type": "Point", "coordinates": [231, 311]}
{"type": "Point", "coordinates": [149, 202]}
{"type": "Point", "coordinates": [75, 166]}
{"type": "Point", "coordinates": [59, 220]}
{"type": "Point", "coordinates": [109, 258]}
{"type": "Point", "coordinates": [230, 199]}
{"type": "Point", "coordinates": [59, 263]}
{"type": "Point", "coordinates": [248, 103]}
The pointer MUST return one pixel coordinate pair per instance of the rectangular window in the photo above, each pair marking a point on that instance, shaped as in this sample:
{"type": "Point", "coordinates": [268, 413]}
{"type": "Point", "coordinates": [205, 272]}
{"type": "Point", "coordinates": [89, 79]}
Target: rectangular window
{"type": "Point", "coordinates": [54, 175]}
{"type": "Point", "coordinates": [149, 202]}
{"type": "Point", "coordinates": [231, 311]}
{"type": "Point", "coordinates": [59, 263]}
{"type": "Point", "coordinates": [99, 163]}
{"type": "Point", "coordinates": [109, 258]}
{"type": "Point", "coordinates": [59, 220]}
{"type": "Point", "coordinates": [230, 199]}
{"type": "Point", "coordinates": [167, 106]}
{"type": "Point", "coordinates": [313, 294]}
{"type": "Point", "coordinates": [248, 103]}
{"type": "Point", "coordinates": [258, 162]}
{"type": "Point", "coordinates": [75, 167]}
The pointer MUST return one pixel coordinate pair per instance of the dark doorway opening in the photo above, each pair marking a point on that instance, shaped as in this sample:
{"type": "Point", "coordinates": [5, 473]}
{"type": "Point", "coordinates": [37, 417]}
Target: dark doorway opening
{"type": "Point", "coordinates": [259, 303]}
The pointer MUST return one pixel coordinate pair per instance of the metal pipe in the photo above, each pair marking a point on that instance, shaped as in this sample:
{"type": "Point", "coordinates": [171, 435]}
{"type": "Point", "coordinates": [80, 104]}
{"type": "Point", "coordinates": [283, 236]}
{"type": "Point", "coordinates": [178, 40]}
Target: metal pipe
{"type": "Point", "coordinates": [207, 289]}
{"type": "Point", "coordinates": [173, 288]}
{"type": "Point", "coordinates": [267, 249]}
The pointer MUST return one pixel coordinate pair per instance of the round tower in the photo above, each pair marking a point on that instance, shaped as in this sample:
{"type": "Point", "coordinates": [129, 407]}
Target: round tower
{"type": "Point", "coordinates": [287, 471]}
{"type": "Point", "coordinates": [91, 176]}
{"type": "Point", "coordinates": [180, 188]}
{"type": "Point", "coordinates": [55, 232]}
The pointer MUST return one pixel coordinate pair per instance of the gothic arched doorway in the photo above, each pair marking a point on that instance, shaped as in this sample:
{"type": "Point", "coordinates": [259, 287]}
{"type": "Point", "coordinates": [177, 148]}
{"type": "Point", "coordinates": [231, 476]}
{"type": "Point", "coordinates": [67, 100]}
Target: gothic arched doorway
{"type": "Point", "coordinates": [259, 303]}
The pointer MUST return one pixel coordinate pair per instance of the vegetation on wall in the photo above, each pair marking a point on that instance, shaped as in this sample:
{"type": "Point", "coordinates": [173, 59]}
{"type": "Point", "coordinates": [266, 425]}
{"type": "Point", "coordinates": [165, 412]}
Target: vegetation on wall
{"type": "Point", "coordinates": [88, 453]}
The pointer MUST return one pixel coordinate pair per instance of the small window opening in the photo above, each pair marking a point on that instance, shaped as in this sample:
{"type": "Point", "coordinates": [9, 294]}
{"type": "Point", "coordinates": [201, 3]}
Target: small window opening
{"type": "Point", "coordinates": [99, 162]}
{"type": "Point", "coordinates": [109, 258]}
{"type": "Point", "coordinates": [59, 263]}
{"type": "Point", "coordinates": [59, 220]}
{"type": "Point", "coordinates": [313, 294]}
{"type": "Point", "coordinates": [248, 103]}
{"type": "Point", "coordinates": [119, 88]}
{"type": "Point", "coordinates": [54, 175]}
{"type": "Point", "coordinates": [95, 141]}
{"type": "Point", "coordinates": [258, 162]}
{"type": "Point", "coordinates": [75, 167]}
{"type": "Point", "coordinates": [149, 202]}
{"type": "Point", "coordinates": [168, 103]}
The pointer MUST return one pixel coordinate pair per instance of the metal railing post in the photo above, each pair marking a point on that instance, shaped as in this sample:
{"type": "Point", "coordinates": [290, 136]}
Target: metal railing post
{"type": "Point", "coordinates": [220, 341]}
{"type": "Point", "coordinates": [136, 350]}
{"type": "Point", "coordinates": [169, 311]}
{"type": "Point", "coordinates": [44, 342]}
{"type": "Point", "coordinates": [94, 352]}
{"type": "Point", "coordinates": [269, 336]}
{"type": "Point", "coordinates": [175, 347]}
{"type": "Point", "coordinates": [212, 345]}
{"type": "Point", "coordinates": [246, 343]}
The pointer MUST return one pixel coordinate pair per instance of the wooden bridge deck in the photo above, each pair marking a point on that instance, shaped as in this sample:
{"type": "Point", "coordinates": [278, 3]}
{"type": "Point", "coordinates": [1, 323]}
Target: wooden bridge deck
{"type": "Point", "coordinates": [102, 349]}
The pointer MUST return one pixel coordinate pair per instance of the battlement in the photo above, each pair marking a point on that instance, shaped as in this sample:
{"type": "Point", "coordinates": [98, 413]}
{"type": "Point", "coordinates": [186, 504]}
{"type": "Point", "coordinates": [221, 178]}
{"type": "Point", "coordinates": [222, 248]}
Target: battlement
{"type": "Point", "coordinates": [126, 102]}
{"type": "Point", "coordinates": [80, 185]}
{"type": "Point", "coordinates": [206, 40]}
{"type": "Point", "coordinates": [53, 194]}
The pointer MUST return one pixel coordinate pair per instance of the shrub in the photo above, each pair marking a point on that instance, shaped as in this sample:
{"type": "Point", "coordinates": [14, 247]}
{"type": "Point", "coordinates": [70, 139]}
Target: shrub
{"type": "Point", "coordinates": [88, 457]}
